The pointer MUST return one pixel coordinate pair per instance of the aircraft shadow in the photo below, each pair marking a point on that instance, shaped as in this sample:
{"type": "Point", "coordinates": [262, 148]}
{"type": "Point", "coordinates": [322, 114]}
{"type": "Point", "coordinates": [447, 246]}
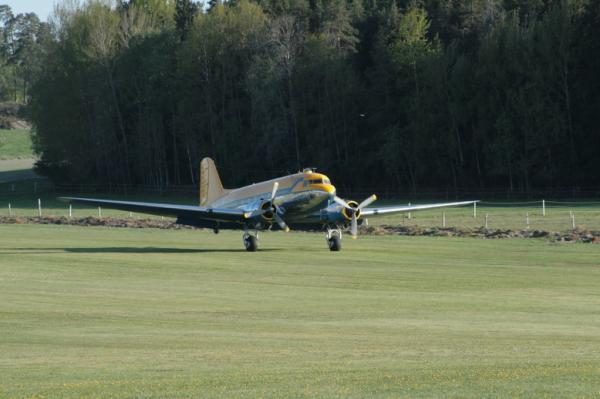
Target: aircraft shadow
{"type": "Point", "coordinates": [127, 250]}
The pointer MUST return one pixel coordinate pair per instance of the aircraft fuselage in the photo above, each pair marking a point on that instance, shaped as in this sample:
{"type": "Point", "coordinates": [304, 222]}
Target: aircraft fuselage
{"type": "Point", "coordinates": [303, 199]}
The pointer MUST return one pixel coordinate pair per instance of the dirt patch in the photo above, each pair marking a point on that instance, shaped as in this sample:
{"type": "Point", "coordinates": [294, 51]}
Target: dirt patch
{"type": "Point", "coordinates": [9, 123]}
{"type": "Point", "coordinates": [11, 116]}
{"type": "Point", "coordinates": [94, 221]}
{"type": "Point", "coordinates": [586, 236]}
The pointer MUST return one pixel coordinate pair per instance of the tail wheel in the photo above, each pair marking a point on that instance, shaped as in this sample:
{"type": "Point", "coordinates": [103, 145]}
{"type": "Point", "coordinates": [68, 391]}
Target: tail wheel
{"type": "Point", "coordinates": [251, 243]}
{"type": "Point", "coordinates": [335, 243]}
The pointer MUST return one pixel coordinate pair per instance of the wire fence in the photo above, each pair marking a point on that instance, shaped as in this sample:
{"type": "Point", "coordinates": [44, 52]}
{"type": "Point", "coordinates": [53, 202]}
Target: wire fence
{"type": "Point", "coordinates": [527, 215]}
{"type": "Point", "coordinates": [560, 212]}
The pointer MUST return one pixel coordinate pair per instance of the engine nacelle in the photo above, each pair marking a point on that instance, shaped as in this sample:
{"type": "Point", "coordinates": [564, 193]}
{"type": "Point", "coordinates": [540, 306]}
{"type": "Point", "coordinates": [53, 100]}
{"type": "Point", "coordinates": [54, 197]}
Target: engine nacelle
{"type": "Point", "coordinates": [337, 214]}
{"type": "Point", "coordinates": [268, 210]}
{"type": "Point", "coordinates": [348, 213]}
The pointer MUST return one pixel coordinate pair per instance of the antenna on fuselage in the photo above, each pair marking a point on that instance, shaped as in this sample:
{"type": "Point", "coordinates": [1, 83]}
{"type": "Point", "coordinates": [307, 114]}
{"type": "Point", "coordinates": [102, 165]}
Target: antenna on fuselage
{"type": "Point", "coordinates": [309, 170]}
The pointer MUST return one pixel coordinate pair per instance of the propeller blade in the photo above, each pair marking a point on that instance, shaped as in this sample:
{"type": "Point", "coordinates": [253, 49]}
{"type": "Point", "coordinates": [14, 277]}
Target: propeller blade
{"type": "Point", "coordinates": [281, 223]}
{"type": "Point", "coordinates": [341, 202]}
{"type": "Point", "coordinates": [367, 202]}
{"type": "Point", "coordinates": [275, 187]}
{"type": "Point", "coordinates": [354, 227]}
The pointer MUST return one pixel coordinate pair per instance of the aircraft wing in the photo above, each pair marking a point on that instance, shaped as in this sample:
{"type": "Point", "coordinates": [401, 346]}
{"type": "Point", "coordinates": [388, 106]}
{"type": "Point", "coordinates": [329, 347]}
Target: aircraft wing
{"type": "Point", "coordinates": [173, 210]}
{"type": "Point", "coordinates": [409, 208]}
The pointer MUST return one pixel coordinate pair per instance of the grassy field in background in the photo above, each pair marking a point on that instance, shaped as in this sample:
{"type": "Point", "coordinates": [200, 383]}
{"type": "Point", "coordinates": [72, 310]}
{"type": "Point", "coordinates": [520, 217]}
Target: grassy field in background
{"type": "Point", "coordinates": [500, 216]}
{"type": "Point", "coordinates": [514, 216]}
{"type": "Point", "coordinates": [16, 156]}
{"type": "Point", "coordinates": [15, 144]}
{"type": "Point", "coordinates": [16, 170]}
{"type": "Point", "coordinates": [106, 313]}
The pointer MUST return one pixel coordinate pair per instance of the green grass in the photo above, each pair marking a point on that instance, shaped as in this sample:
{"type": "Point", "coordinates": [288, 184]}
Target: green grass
{"type": "Point", "coordinates": [15, 144]}
{"type": "Point", "coordinates": [558, 216]}
{"type": "Point", "coordinates": [27, 204]}
{"type": "Point", "coordinates": [107, 313]}
{"type": "Point", "coordinates": [19, 171]}
{"type": "Point", "coordinates": [16, 156]}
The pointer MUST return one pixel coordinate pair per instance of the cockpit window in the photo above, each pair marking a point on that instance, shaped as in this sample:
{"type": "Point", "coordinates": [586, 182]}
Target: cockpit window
{"type": "Point", "coordinates": [316, 181]}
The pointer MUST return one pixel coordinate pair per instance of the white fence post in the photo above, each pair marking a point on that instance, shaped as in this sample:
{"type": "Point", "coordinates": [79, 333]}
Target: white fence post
{"type": "Point", "coordinates": [409, 215]}
{"type": "Point", "coordinates": [443, 219]}
{"type": "Point", "coordinates": [130, 215]}
{"type": "Point", "coordinates": [474, 210]}
{"type": "Point", "coordinates": [100, 212]}
{"type": "Point", "coordinates": [40, 207]}
{"type": "Point", "coordinates": [573, 219]}
{"type": "Point", "coordinates": [543, 207]}
{"type": "Point", "coordinates": [70, 211]}
{"type": "Point", "coordinates": [9, 210]}
{"type": "Point", "coordinates": [486, 220]}
{"type": "Point", "coordinates": [527, 219]}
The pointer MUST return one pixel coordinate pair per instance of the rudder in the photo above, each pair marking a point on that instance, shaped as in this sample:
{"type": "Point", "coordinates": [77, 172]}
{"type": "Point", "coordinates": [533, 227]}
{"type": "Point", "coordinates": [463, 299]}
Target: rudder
{"type": "Point", "coordinates": [211, 188]}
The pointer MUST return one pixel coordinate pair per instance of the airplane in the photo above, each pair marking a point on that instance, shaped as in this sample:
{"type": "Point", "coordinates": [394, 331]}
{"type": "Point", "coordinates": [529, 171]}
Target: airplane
{"type": "Point", "coordinates": [302, 201]}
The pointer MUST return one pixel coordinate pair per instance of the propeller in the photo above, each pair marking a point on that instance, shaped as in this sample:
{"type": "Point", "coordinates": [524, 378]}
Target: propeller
{"type": "Point", "coordinates": [274, 192]}
{"type": "Point", "coordinates": [269, 207]}
{"type": "Point", "coordinates": [354, 209]}
{"type": "Point", "coordinates": [281, 223]}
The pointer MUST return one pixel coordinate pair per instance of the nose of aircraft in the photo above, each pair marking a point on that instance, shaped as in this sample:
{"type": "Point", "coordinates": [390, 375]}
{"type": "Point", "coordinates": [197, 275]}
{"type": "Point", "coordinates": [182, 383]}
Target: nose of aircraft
{"type": "Point", "coordinates": [319, 182]}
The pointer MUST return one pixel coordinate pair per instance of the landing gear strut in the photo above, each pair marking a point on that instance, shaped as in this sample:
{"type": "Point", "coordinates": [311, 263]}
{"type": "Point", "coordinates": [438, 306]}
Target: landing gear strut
{"type": "Point", "coordinates": [334, 239]}
{"type": "Point", "coordinates": [251, 241]}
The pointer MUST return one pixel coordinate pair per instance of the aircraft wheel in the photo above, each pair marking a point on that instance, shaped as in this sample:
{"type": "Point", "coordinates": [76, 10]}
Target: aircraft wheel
{"type": "Point", "coordinates": [335, 243]}
{"type": "Point", "coordinates": [251, 243]}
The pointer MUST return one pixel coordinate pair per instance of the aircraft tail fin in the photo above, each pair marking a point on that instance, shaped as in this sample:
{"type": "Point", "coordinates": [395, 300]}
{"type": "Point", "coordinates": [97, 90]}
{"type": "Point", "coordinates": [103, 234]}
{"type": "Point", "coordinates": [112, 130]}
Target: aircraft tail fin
{"type": "Point", "coordinates": [211, 188]}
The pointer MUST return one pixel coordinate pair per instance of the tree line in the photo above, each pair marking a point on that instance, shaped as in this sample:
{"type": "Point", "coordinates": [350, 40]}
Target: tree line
{"type": "Point", "coordinates": [23, 38]}
{"type": "Point", "coordinates": [376, 93]}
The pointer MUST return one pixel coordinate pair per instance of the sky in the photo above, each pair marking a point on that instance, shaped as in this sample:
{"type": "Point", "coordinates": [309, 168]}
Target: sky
{"type": "Point", "coordinates": [41, 7]}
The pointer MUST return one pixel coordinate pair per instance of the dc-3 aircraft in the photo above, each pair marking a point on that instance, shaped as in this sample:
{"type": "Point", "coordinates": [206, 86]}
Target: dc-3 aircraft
{"type": "Point", "coordinates": [303, 201]}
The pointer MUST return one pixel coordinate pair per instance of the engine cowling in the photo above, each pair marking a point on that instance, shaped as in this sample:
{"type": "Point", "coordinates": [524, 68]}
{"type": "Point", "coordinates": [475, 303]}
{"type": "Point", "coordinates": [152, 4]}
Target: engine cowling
{"type": "Point", "coordinates": [351, 211]}
{"type": "Point", "coordinates": [348, 212]}
{"type": "Point", "coordinates": [268, 210]}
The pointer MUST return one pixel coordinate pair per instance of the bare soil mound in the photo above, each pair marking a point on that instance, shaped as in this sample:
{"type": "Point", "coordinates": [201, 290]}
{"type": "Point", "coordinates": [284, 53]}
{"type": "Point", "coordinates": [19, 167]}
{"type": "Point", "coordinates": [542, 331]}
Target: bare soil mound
{"type": "Point", "coordinates": [585, 236]}
{"type": "Point", "coordinates": [481, 232]}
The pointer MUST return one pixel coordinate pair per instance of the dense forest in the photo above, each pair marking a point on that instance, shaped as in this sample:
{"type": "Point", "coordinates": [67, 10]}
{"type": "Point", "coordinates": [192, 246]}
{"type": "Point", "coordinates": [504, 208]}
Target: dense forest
{"type": "Point", "coordinates": [445, 94]}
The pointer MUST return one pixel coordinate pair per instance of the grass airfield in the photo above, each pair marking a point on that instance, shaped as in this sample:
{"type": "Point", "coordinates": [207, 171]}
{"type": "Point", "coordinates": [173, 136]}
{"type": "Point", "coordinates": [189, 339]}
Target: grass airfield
{"type": "Point", "coordinates": [105, 313]}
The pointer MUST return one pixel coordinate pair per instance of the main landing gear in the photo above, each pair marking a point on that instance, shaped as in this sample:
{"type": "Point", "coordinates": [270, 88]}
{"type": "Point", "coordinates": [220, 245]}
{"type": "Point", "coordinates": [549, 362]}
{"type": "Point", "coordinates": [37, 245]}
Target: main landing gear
{"type": "Point", "coordinates": [251, 241]}
{"type": "Point", "coordinates": [334, 239]}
